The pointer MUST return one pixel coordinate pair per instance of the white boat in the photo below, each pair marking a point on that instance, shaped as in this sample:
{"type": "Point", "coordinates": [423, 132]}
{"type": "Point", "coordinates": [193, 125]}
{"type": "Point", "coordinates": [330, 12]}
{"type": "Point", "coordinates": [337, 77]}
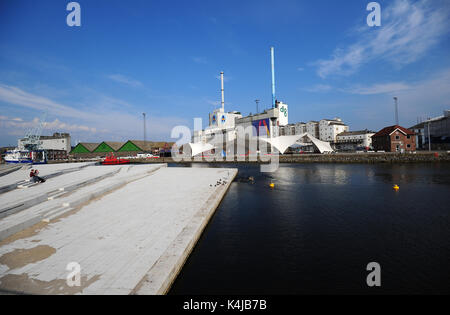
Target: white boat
{"type": "Point", "coordinates": [26, 156]}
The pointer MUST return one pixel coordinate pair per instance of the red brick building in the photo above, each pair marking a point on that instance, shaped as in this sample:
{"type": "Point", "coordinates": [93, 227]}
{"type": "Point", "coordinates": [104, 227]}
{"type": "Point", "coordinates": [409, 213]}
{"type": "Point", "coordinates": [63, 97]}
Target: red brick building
{"type": "Point", "coordinates": [394, 139]}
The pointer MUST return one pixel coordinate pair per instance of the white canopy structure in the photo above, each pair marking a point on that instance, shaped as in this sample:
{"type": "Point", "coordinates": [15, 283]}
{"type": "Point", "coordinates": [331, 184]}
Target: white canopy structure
{"type": "Point", "coordinates": [322, 146]}
{"type": "Point", "coordinates": [282, 143]}
{"type": "Point", "coordinates": [200, 147]}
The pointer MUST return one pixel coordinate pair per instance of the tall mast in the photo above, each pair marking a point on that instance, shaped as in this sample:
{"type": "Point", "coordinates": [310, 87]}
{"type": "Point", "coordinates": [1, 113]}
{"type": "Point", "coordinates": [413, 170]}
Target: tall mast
{"type": "Point", "coordinates": [223, 95]}
{"type": "Point", "coordinates": [272, 57]}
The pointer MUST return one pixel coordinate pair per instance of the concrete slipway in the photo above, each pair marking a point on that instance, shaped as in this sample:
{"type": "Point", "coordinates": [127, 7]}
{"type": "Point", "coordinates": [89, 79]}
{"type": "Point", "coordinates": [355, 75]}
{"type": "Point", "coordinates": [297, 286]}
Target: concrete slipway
{"type": "Point", "coordinates": [130, 228]}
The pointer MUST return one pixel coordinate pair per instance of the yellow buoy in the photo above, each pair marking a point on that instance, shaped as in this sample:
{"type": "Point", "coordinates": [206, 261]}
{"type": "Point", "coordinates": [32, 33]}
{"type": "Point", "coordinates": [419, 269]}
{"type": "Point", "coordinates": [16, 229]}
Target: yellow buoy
{"type": "Point", "coordinates": [396, 187]}
{"type": "Point", "coordinates": [272, 185]}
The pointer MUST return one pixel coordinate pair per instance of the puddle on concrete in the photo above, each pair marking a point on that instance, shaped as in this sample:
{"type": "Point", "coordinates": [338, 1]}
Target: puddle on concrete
{"type": "Point", "coordinates": [24, 284]}
{"type": "Point", "coordinates": [26, 233]}
{"type": "Point", "coordinates": [21, 257]}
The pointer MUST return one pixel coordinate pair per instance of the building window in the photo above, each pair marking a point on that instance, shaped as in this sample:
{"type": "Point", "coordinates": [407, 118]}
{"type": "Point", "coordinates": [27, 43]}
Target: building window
{"type": "Point", "coordinates": [397, 137]}
{"type": "Point", "coordinates": [408, 146]}
{"type": "Point", "coordinates": [408, 136]}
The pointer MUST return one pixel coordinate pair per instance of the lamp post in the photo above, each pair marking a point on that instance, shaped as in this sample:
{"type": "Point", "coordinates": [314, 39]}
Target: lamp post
{"type": "Point", "coordinates": [145, 144]}
{"type": "Point", "coordinates": [429, 138]}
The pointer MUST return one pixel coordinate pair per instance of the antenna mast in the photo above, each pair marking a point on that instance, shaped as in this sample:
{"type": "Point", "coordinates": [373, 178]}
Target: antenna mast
{"type": "Point", "coordinates": [223, 95]}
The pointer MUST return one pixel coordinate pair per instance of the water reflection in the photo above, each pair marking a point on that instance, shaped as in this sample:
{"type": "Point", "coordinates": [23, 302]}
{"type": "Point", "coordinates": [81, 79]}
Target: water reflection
{"type": "Point", "coordinates": [307, 174]}
{"type": "Point", "coordinates": [342, 174]}
{"type": "Point", "coordinates": [415, 173]}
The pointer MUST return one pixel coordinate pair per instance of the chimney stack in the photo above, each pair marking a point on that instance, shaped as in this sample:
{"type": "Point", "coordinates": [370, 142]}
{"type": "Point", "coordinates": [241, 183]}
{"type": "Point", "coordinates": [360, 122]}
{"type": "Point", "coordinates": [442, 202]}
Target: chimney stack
{"type": "Point", "coordinates": [273, 75]}
{"type": "Point", "coordinates": [396, 110]}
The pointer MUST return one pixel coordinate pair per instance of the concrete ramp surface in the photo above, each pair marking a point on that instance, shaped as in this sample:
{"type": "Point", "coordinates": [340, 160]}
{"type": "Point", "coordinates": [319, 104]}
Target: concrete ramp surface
{"type": "Point", "coordinates": [131, 237]}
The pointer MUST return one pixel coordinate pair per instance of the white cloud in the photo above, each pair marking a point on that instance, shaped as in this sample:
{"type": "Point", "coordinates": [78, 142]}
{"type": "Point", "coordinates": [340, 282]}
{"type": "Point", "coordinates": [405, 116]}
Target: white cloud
{"type": "Point", "coordinates": [125, 80]}
{"type": "Point", "coordinates": [103, 107]}
{"type": "Point", "coordinates": [408, 31]}
{"type": "Point", "coordinates": [17, 96]}
{"type": "Point", "coordinates": [425, 98]}
{"type": "Point", "coordinates": [382, 88]}
{"type": "Point", "coordinates": [108, 118]}
{"type": "Point", "coordinates": [110, 103]}
{"type": "Point", "coordinates": [18, 125]}
{"type": "Point", "coordinates": [343, 62]}
{"type": "Point", "coordinates": [58, 125]}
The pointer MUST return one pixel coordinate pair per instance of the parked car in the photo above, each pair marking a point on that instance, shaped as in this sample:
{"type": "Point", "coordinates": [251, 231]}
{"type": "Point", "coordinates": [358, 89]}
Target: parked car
{"type": "Point", "coordinates": [144, 155]}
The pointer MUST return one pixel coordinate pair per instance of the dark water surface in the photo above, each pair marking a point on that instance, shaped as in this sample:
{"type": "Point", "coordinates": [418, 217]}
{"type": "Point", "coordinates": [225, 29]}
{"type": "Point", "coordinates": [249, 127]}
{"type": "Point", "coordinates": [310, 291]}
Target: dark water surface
{"type": "Point", "coordinates": [320, 227]}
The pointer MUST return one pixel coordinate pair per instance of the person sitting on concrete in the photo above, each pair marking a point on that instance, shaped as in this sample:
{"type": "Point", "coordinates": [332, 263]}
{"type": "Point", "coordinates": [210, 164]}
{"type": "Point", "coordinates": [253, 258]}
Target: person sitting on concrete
{"type": "Point", "coordinates": [35, 178]}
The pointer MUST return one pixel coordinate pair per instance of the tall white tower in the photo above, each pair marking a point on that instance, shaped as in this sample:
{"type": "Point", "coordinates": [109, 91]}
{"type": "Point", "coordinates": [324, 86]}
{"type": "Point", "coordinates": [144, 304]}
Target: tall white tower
{"type": "Point", "coordinates": [223, 94]}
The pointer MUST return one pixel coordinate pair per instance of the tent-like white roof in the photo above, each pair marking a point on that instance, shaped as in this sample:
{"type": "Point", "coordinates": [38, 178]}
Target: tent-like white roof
{"type": "Point", "coordinates": [282, 143]}
{"type": "Point", "coordinates": [200, 147]}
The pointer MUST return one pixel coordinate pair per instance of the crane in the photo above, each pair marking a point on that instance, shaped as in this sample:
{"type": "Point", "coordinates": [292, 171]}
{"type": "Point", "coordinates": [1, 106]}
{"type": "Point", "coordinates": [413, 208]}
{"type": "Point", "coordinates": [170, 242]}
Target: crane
{"type": "Point", "coordinates": [31, 141]}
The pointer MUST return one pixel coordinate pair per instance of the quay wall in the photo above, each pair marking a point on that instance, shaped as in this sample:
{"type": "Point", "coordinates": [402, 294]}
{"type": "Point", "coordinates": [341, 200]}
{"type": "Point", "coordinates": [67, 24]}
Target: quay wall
{"type": "Point", "coordinates": [362, 158]}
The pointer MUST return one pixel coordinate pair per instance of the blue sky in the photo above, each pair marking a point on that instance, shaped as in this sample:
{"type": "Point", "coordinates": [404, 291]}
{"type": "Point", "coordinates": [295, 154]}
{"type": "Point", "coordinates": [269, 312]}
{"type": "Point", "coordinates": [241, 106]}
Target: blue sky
{"type": "Point", "coordinates": [164, 58]}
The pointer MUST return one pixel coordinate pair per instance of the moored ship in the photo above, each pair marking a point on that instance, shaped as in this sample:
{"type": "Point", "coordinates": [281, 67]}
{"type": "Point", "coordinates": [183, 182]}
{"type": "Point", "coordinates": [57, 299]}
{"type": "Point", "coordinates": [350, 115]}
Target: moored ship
{"type": "Point", "coordinates": [17, 156]}
{"type": "Point", "coordinates": [113, 160]}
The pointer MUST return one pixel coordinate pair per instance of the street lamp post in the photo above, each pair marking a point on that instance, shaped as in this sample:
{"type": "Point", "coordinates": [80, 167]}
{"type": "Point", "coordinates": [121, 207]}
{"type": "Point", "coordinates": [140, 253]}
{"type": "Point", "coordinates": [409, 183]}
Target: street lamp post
{"type": "Point", "coordinates": [429, 137]}
{"type": "Point", "coordinates": [145, 144]}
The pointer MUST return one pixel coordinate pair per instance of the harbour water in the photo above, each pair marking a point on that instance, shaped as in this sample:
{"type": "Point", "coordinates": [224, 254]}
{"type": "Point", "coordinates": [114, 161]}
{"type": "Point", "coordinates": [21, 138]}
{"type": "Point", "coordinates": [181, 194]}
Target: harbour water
{"type": "Point", "coordinates": [317, 230]}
